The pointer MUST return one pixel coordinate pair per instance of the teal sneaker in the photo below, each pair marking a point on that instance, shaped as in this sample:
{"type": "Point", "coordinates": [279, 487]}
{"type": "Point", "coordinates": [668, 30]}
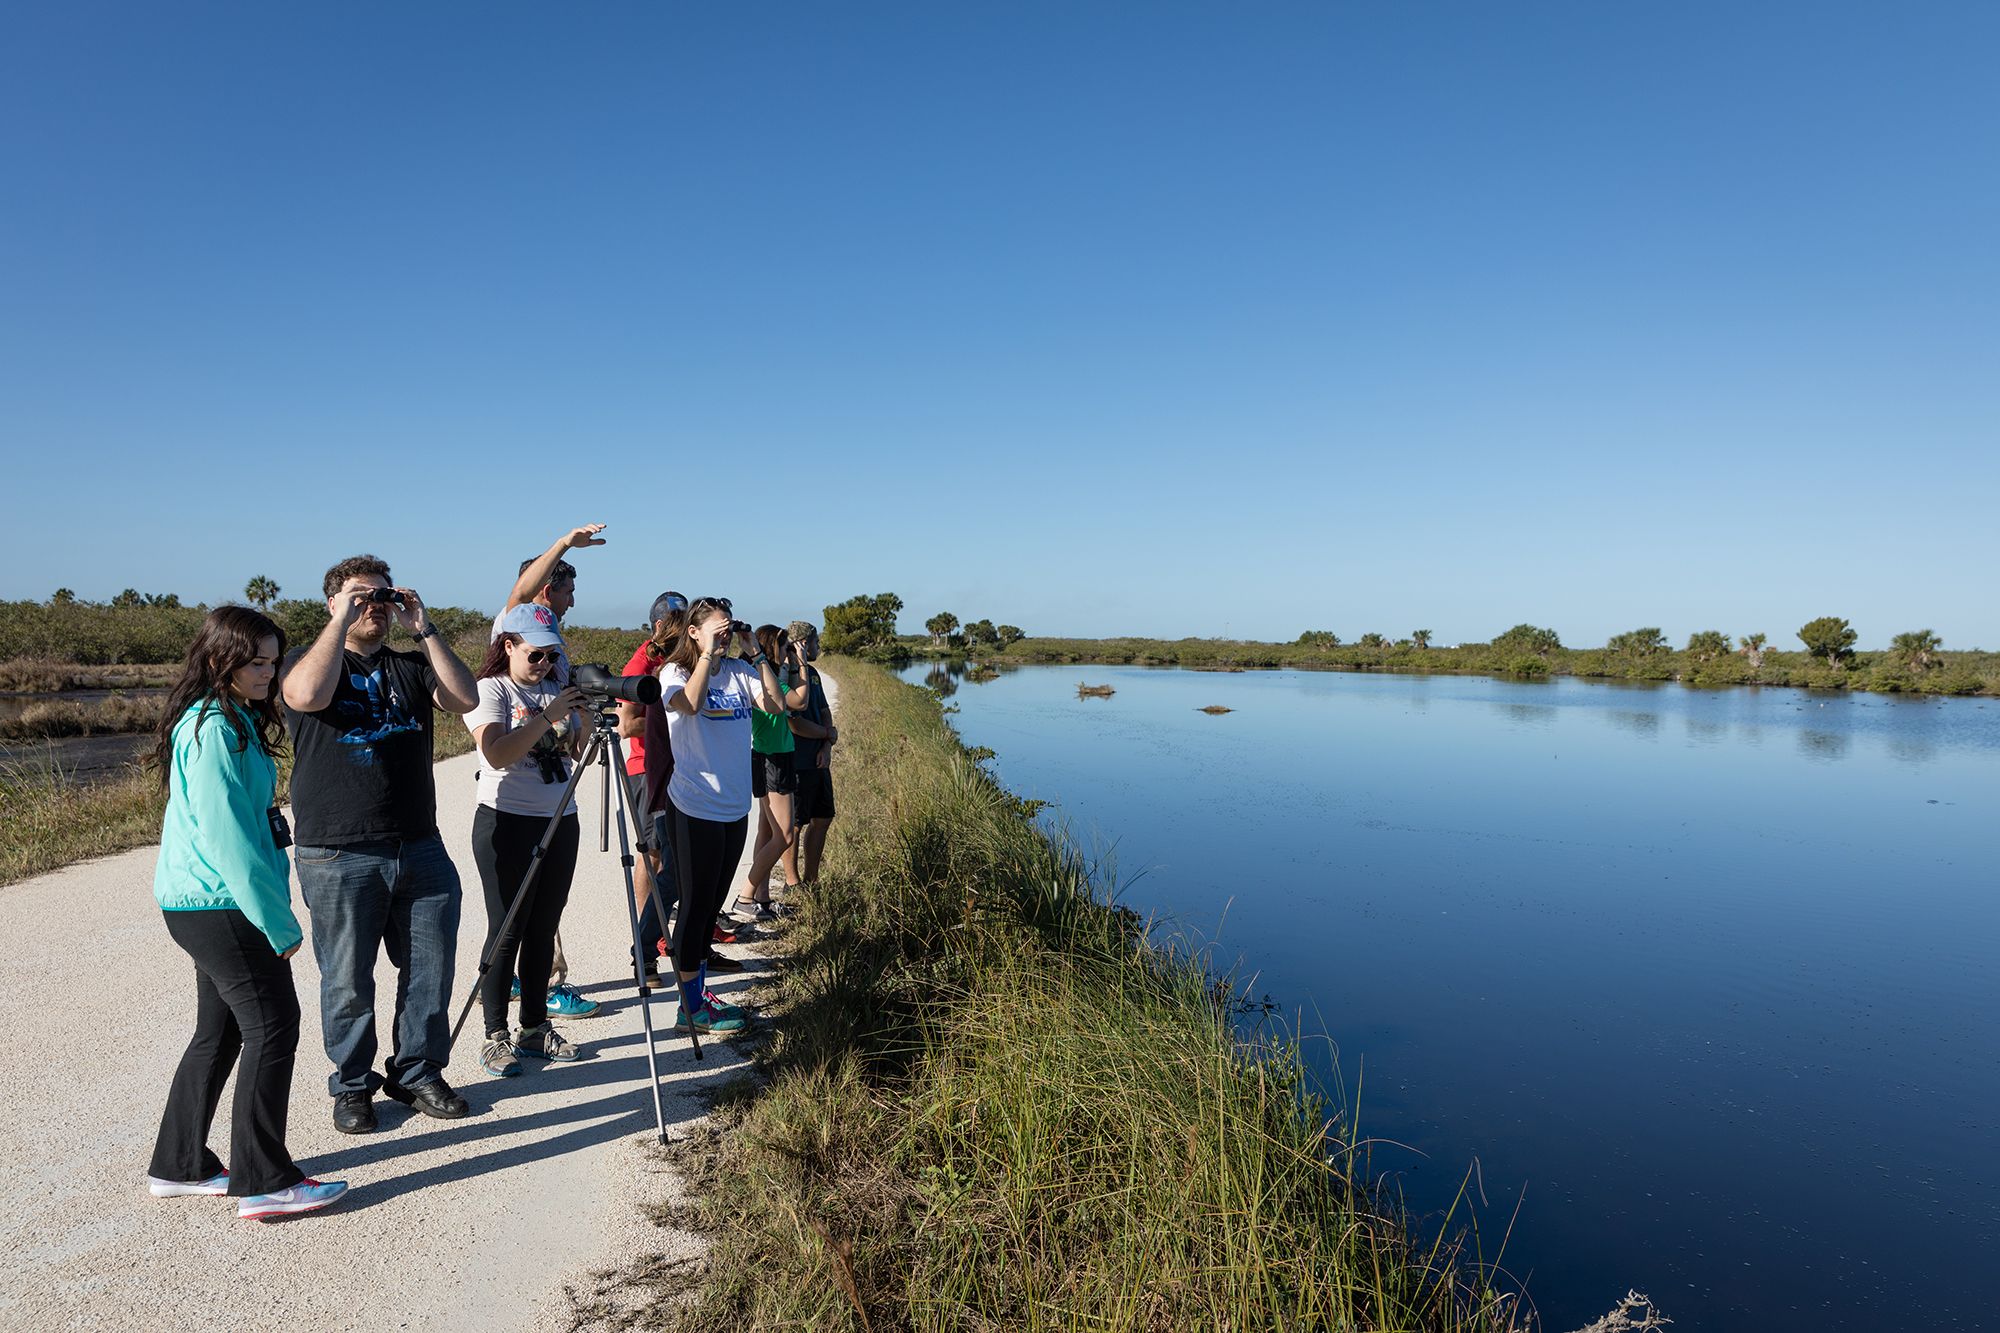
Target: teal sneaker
{"type": "Point", "coordinates": [715, 1003]}
{"type": "Point", "coordinates": [566, 1002]}
{"type": "Point", "coordinates": [711, 1022]}
{"type": "Point", "coordinates": [515, 993]}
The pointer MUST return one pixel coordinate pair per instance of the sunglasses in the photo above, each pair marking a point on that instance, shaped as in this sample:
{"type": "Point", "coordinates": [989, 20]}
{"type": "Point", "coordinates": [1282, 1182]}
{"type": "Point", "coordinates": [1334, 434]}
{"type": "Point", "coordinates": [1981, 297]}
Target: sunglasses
{"type": "Point", "coordinates": [712, 604]}
{"type": "Point", "coordinates": [541, 655]}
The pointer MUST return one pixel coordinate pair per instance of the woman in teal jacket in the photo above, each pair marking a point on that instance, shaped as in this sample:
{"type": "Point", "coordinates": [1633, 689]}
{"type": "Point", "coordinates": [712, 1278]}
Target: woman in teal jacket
{"type": "Point", "coordinates": [224, 884]}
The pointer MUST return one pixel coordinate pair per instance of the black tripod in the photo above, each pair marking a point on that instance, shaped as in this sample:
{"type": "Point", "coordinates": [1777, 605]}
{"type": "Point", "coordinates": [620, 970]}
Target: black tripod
{"type": "Point", "coordinates": [602, 749]}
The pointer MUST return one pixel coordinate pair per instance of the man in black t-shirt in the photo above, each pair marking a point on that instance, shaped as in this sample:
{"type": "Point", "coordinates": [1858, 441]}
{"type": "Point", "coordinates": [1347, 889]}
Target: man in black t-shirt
{"type": "Point", "coordinates": [372, 869]}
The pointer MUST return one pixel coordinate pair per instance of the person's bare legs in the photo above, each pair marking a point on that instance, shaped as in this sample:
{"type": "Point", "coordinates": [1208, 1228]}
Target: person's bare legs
{"type": "Point", "coordinates": [790, 860]}
{"type": "Point", "coordinates": [775, 834]}
{"type": "Point", "coordinates": [814, 837]}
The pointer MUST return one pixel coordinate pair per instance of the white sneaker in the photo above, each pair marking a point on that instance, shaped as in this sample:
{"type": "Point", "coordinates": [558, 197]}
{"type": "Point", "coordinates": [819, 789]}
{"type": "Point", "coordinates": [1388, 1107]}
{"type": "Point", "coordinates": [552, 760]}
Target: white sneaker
{"type": "Point", "coordinates": [303, 1197]}
{"type": "Point", "coordinates": [174, 1189]}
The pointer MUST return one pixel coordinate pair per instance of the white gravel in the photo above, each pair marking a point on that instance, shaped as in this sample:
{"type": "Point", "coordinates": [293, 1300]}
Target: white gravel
{"type": "Point", "coordinates": [476, 1223]}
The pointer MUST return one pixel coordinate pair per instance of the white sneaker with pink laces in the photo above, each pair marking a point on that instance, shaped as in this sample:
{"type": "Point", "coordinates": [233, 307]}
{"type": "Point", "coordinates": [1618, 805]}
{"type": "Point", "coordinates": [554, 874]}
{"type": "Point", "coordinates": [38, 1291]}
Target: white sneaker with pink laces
{"type": "Point", "coordinates": [173, 1189]}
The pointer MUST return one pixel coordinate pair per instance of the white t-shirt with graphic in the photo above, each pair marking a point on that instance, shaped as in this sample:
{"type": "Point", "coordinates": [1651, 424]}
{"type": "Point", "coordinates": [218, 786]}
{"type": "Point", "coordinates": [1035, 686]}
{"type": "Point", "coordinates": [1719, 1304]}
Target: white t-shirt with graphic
{"type": "Point", "coordinates": [530, 785]}
{"type": "Point", "coordinates": [712, 746]}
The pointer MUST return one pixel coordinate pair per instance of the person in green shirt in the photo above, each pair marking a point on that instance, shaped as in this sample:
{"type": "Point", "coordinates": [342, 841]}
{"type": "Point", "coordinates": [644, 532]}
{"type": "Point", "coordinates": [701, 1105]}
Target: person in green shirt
{"type": "Point", "coordinates": [224, 885]}
{"type": "Point", "coordinates": [772, 780]}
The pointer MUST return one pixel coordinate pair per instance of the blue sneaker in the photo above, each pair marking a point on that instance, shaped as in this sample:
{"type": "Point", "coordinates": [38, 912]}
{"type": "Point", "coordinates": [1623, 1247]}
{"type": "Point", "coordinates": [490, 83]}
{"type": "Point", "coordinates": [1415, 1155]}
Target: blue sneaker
{"type": "Point", "coordinates": [303, 1197]}
{"type": "Point", "coordinates": [565, 1002]}
{"type": "Point", "coordinates": [515, 993]}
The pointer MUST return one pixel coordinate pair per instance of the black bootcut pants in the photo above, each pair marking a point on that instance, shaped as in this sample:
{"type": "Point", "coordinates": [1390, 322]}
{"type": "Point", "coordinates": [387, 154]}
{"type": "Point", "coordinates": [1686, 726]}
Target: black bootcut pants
{"type": "Point", "coordinates": [713, 849]}
{"type": "Point", "coordinates": [503, 846]}
{"type": "Point", "coordinates": [244, 1004]}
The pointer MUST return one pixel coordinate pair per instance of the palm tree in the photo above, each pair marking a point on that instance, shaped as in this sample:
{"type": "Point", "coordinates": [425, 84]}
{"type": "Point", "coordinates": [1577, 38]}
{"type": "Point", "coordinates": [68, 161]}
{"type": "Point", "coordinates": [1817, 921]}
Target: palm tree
{"type": "Point", "coordinates": [261, 590]}
{"type": "Point", "coordinates": [1918, 648]}
{"type": "Point", "coordinates": [1752, 647]}
{"type": "Point", "coordinates": [1420, 637]}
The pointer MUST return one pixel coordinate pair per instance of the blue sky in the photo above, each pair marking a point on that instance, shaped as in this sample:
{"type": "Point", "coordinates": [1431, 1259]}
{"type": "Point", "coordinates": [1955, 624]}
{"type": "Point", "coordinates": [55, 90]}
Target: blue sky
{"type": "Point", "coordinates": [1153, 318]}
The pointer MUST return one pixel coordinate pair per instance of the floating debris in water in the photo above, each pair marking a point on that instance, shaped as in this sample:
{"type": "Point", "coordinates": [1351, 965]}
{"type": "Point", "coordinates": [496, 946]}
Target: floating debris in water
{"type": "Point", "coordinates": [1084, 691]}
{"type": "Point", "coordinates": [1215, 708]}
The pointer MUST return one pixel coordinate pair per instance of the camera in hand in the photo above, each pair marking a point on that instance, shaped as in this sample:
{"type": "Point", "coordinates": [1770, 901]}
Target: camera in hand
{"type": "Point", "coordinates": [386, 595]}
{"type": "Point", "coordinates": [596, 680]}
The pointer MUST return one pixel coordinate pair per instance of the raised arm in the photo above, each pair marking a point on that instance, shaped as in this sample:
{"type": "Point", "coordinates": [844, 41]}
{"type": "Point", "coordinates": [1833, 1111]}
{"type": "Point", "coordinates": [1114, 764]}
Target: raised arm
{"type": "Point", "coordinates": [315, 676]}
{"type": "Point", "coordinates": [536, 575]}
{"type": "Point", "coordinates": [457, 691]}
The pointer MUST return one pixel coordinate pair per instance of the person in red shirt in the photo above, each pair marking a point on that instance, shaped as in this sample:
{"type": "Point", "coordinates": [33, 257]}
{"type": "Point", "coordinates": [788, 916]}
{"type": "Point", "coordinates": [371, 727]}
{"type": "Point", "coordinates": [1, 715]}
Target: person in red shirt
{"type": "Point", "coordinates": [643, 732]}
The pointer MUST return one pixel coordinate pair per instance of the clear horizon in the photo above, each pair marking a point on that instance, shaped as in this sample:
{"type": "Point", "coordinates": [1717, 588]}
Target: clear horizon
{"type": "Point", "coordinates": [1157, 320]}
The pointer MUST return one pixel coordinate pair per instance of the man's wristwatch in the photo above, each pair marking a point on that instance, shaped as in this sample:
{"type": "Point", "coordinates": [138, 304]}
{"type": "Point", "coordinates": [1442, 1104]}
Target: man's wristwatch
{"type": "Point", "coordinates": [428, 632]}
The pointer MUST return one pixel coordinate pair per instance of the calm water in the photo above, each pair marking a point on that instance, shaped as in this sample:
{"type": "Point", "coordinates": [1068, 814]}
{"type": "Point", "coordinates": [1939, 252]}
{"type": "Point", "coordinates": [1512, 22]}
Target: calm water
{"type": "Point", "coordinates": [1704, 981]}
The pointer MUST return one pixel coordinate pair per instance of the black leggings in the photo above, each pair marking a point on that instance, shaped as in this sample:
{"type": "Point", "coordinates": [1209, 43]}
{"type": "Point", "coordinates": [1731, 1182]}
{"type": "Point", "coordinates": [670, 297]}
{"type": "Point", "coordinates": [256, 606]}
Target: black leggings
{"type": "Point", "coordinates": [244, 1002]}
{"type": "Point", "coordinates": [710, 856]}
{"type": "Point", "coordinates": [503, 845]}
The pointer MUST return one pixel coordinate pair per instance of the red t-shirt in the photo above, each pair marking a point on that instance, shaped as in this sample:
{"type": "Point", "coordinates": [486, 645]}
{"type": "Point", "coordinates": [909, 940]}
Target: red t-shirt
{"type": "Point", "coordinates": [643, 663]}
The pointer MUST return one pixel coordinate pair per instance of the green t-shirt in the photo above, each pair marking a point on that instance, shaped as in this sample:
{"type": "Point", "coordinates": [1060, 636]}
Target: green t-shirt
{"type": "Point", "coordinates": [771, 733]}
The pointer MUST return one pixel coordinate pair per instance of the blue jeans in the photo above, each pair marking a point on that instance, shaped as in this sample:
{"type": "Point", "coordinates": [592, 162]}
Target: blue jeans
{"type": "Point", "coordinates": [364, 896]}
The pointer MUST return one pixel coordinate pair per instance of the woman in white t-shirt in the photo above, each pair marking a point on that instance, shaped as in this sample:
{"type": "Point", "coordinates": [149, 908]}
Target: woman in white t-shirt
{"type": "Point", "coordinates": [709, 697]}
{"type": "Point", "coordinates": [529, 732]}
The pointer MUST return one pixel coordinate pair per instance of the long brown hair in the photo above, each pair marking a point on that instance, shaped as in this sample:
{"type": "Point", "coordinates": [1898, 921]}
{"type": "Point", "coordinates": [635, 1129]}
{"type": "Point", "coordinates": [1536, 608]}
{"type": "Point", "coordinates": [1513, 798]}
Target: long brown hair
{"type": "Point", "coordinates": [227, 640]}
{"type": "Point", "coordinates": [689, 648]}
{"type": "Point", "coordinates": [771, 642]}
{"type": "Point", "coordinates": [495, 663]}
{"type": "Point", "coordinates": [666, 629]}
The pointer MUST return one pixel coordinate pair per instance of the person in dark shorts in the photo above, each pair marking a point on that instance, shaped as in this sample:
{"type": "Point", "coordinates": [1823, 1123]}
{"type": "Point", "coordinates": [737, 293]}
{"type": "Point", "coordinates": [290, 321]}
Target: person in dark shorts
{"type": "Point", "coordinates": [771, 778]}
{"type": "Point", "coordinates": [372, 869]}
{"type": "Point", "coordinates": [813, 737]}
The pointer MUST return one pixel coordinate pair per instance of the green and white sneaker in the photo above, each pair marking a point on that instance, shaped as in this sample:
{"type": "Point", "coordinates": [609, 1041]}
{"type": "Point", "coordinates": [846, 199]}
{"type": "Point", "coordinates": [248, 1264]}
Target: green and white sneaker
{"type": "Point", "coordinates": [496, 1057]}
{"type": "Point", "coordinates": [710, 1021]}
{"type": "Point", "coordinates": [546, 1042]}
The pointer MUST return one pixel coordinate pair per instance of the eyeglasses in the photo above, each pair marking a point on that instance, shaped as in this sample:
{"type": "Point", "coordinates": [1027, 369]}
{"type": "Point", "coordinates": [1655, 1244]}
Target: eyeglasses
{"type": "Point", "coordinates": [541, 655]}
{"type": "Point", "coordinates": [703, 604]}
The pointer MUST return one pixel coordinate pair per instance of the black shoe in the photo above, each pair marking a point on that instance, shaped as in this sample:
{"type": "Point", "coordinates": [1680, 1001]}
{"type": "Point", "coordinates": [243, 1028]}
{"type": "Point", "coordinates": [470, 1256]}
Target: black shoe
{"type": "Point", "coordinates": [354, 1113]}
{"type": "Point", "coordinates": [434, 1099]}
{"type": "Point", "coordinates": [721, 962]}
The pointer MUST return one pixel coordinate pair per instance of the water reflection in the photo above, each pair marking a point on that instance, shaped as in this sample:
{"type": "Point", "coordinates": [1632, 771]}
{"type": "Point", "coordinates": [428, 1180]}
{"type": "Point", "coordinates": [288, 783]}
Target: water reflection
{"type": "Point", "coordinates": [1823, 746]}
{"type": "Point", "coordinates": [1705, 731]}
{"type": "Point", "coordinates": [1644, 725]}
{"type": "Point", "coordinates": [1538, 715]}
{"type": "Point", "coordinates": [943, 679]}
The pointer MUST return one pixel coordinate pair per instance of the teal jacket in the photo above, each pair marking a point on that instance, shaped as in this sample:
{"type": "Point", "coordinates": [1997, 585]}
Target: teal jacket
{"type": "Point", "coordinates": [215, 845]}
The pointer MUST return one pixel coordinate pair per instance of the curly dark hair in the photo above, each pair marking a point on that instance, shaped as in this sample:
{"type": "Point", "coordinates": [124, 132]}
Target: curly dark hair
{"type": "Point", "coordinates": [354, 564]}
{"type": "Point", "coordinates": [227, 640]}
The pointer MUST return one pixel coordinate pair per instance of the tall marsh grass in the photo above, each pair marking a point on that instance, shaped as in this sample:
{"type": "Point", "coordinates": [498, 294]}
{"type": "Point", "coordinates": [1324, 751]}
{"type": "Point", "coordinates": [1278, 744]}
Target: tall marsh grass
{"type": "Point", "coordinates": [993, 1105]}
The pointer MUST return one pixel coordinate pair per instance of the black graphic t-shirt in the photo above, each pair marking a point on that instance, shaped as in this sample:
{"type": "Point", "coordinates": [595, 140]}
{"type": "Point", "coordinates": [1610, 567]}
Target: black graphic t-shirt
{"type": "Point", "coordinates": [361, 770]}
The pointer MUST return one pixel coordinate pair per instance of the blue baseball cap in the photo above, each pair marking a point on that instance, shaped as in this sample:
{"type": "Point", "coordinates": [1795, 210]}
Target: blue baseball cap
{"type": "Point", "coordinates": [665, 605]}
{"type": "Point", "coordinates": [535, 623]}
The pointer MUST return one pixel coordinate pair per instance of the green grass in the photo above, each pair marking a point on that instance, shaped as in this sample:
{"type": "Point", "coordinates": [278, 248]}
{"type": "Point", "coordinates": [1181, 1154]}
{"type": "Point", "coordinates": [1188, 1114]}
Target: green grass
{"type": "Point", "coordinates": [992, 1105]}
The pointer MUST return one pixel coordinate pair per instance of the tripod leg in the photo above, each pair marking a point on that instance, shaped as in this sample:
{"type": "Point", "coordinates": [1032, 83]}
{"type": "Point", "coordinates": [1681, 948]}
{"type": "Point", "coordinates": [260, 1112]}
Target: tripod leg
{"type": "Point", "coordinates": [527, 888]}
{"type": "Point", "coordinates": [638, 962]}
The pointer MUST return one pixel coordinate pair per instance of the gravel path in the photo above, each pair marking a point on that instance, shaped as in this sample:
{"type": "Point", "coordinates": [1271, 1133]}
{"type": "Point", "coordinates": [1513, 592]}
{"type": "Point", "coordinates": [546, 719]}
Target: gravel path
{"type": "Point", "coordinates": [480, 1222]}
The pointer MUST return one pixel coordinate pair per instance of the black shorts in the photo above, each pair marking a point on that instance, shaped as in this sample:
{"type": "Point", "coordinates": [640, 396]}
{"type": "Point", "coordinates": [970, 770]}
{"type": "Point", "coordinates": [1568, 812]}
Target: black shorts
{"type": "Point", "coordinates": [771, 775]}
{"type": "Point", "coordinates": [814, 798]}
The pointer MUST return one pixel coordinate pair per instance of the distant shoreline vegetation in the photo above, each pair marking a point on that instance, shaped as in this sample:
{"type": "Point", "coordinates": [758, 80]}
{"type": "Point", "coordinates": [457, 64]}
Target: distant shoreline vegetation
{"type": "Point", "coordinates": [1914, 663]}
